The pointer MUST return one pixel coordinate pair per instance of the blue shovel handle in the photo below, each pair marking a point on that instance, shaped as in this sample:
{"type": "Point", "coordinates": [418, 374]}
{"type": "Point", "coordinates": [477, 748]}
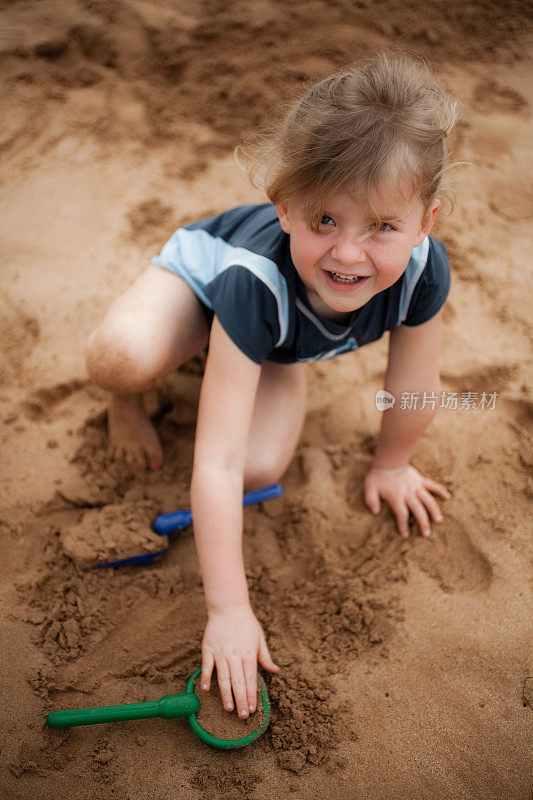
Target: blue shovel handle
{"type": "Point", "coordinates": [176, 520]}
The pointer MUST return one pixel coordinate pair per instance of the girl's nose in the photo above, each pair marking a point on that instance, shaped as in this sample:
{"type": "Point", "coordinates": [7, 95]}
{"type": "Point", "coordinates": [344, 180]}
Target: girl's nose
{"type": "Point", "coordinates": [348, 251]}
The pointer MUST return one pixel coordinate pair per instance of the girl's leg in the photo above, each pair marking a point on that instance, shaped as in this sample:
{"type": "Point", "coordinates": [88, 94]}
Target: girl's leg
{"type": "Point", "coordinates": [277, 422]}
{"type": "Point", "coordinates": [148, 332]}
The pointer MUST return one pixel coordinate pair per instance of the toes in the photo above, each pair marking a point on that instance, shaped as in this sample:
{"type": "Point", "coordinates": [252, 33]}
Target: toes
{"type": "Point", "coordinates": [151, 450]}
{"type": "Point", "coordinates": [133, 457]}
{"type": "Point", "coordinates": [154, 457]}
{"type": "Point", "coordinates": [114, 453]}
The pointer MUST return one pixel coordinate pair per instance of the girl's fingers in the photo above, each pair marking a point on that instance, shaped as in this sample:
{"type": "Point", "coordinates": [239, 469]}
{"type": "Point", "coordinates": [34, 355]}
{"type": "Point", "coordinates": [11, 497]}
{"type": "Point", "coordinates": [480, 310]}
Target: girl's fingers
{"type": "Point", "coordinates": [208, 663]}
{"type": "Point", "coordinates": [250, 676]}
{"type": "Point", "coordinates": [265, 659]}
{"type": "Point", "coordinates": [239, 687]}
{"type": "Point", "coordinates": [420, 514]}
{"type": "Point", "coordinates": [372, 499]}
{"type": "Point", "coordinates": [438, 488]}
{"type": "Point", "coordinates": [431, 504]}
{"type": "Point", "coordinates": [224, 684]}
{"type": "Point", "coordinates": [402, 520]}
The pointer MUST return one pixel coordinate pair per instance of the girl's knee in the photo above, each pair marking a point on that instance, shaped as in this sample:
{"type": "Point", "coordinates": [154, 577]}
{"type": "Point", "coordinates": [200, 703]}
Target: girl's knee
{"type": "Point", "coordinates": [265, 469]}
{"type": "Point", "coordinates": [259, 476]}
{"type": "Point", "coordinates": [122, 355]}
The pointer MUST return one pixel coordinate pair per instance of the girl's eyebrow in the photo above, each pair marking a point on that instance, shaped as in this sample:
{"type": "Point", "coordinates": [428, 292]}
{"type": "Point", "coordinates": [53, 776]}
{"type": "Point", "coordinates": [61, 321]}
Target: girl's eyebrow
{"type": "Point", "coordinates": [385, 217]}
{"type": "Point", "coordinates": [391, 217]}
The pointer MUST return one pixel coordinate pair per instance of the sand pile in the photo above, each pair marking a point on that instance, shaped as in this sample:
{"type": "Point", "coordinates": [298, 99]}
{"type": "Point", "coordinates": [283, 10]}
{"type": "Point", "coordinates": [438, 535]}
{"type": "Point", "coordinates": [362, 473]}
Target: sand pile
{"type": "Point", "coordinates": [405, 666]}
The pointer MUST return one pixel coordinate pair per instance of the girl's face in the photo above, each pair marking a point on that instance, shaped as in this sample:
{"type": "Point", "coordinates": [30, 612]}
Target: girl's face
{"type": "Point", "coordinates": [346, 262]}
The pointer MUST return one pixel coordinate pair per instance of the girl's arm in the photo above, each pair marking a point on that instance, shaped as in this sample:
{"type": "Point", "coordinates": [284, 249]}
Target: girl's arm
{"type": "Point", "coordinates": [413, 369]}
{"type": "Point", "coordinates": [233, 640]}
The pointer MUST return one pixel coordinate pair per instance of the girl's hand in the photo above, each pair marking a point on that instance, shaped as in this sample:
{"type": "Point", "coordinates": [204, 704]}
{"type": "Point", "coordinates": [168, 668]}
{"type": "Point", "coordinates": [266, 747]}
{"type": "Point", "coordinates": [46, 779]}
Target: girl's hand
{"type": "Point", "coordinates": [406, 491]}
{"type": "Point", "coordinates": [234, 641]}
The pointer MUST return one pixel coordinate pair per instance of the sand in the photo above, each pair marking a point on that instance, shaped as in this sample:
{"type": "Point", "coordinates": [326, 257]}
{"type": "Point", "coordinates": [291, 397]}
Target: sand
{"type": "Point", "coordinates": [406, 666]}
{"type": "Point", "coordinates": [220, 723]}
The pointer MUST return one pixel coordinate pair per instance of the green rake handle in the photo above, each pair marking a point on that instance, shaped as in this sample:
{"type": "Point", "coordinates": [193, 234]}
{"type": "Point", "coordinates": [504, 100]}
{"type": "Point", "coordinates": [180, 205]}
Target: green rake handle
{"type": "Point", "coordinates": [169, 707]}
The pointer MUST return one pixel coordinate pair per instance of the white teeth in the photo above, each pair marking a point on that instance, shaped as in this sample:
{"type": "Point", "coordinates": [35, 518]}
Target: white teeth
{"type": "Point", "coordinates": [343, 278]}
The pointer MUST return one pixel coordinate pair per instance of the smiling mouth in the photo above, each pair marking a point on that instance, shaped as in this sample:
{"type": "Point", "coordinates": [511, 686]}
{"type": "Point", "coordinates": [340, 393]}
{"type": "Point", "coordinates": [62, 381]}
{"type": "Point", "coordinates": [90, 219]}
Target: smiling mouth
{"type": "Point", "coordinates": [338, 278]}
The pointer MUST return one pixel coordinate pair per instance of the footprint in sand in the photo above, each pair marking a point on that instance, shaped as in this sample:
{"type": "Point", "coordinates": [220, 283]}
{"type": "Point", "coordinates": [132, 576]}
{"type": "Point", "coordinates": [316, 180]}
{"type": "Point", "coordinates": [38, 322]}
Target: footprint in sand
{"type": "Point", "coordinates": [491, 378]}
{"type": "Point", "coordinates": [450, 558]}
{"type": "Point", "coordinates": [40, 402]}
{"type": "Point", "coordinates": [150, 221]}
{"type": "Point", "coordinates": [491, 97]}
{"type": "Point", "coordinates": [511, 197]}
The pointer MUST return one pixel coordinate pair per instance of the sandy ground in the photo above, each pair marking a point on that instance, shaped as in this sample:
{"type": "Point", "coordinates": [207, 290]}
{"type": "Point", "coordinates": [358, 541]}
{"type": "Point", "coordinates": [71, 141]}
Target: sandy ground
{"type": "Point", "coordinates": [406, 665]}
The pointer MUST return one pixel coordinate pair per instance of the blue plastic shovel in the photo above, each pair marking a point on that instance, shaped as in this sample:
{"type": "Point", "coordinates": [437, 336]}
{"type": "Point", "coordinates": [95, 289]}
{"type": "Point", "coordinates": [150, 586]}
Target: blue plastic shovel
{"type": "Point", "coordinates": [166, 524]}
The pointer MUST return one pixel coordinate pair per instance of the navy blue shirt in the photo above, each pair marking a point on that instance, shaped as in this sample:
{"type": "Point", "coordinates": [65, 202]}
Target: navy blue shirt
{"type": "Point", "coordinates": [239, 265]}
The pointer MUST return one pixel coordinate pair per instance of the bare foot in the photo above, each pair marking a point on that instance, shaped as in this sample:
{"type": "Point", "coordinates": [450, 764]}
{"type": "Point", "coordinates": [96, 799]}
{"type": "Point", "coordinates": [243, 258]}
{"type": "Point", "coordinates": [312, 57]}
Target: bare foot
{"type": "Point", "coordinates": [132, 437]}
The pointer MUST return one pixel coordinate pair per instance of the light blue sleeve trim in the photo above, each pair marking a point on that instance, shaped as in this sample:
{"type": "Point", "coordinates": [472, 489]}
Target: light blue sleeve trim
{"type": "Point", "coordinates": [411, 276]}
{"type": "Point", "coordinates": [198, 257]}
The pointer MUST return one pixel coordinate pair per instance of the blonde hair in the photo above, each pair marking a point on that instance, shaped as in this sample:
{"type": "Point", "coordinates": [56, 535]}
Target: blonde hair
{"type": "Point", "coordinates": [382, 118]}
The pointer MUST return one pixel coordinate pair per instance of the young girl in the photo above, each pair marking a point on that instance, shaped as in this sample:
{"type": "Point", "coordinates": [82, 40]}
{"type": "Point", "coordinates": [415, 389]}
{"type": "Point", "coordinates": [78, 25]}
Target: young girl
{"type": "Point", "coordinates": [340, 255]}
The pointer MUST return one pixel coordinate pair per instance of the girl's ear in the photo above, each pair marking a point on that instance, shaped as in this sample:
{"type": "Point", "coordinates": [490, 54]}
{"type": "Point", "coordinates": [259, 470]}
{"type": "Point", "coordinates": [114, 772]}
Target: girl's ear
{"type": "Point", "coordinates": [283, 216]}
{"type": "Point", "coordinates": [429, 217]}
{"type": "Point", "coordinates": [427, 221]}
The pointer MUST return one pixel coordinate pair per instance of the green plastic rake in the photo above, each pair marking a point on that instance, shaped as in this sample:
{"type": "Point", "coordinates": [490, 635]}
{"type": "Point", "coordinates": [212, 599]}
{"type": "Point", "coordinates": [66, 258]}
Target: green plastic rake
{"type": "Point", "coordinates": [169, 707]}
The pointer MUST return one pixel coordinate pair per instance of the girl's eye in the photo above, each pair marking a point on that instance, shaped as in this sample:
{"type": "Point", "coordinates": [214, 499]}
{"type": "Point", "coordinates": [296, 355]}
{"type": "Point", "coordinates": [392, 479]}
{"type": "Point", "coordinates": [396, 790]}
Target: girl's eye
{"type": "Point", "coordinates": [385, 227]}
{"type": "Point", "coordinates": [326, 220]}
